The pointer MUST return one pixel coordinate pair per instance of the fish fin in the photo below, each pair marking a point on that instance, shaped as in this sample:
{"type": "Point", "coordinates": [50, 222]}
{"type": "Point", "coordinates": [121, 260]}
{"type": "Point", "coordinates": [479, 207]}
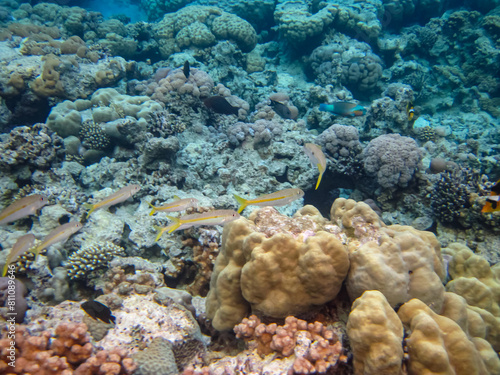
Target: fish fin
{"type": "Point", "coordinates": [89, 207]}
{"type": "Point", "coordinates": [153, 209]}
{"type": "Point", "coordinates": [319, 180]}
{"type": "Point", "coordinates": [5, 268]}
{"type": "Point", "coordinates": [176, 197]}
{"type": "Point", "coordinates": [177, 223]}
{"type": "Point", "coordinates": [241, 201]}
{"type": "Point", "coordinates": [159, 231]}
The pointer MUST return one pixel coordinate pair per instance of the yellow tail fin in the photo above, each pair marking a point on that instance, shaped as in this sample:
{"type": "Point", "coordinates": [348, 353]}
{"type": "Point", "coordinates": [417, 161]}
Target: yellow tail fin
{"type": "Point", "coordinates": [89, 206]}
{"type": "Point", "coordinates": [241, 201]}
{"type": "Point", "coordinates": [176, 224]}
{"type": "Point", "coordinates": [5, 268]}
{"type": "Point", "coordinates": [153, 209]}
{"type": "Point", "coordinates": [160, 231]}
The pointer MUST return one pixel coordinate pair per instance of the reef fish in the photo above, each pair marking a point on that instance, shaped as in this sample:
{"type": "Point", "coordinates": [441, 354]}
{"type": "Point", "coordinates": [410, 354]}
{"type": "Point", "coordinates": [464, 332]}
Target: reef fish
{"type": "Point", "coordinates": [216, 217]}
{"type": "Point", "coordinates": [177, 205]}
{"type": "Point", "coordinates": [120, 196]}
{"type": "Point", "coordinates": [23, 207]}
{"type": "Point", "coordinates": [186, 69]}
{"type": "Point", "coordinates": [161, 230]}
{"type": "Point", "coordinates": [60, 234]}
{"type": "Point", "coordinates": [281, 109]}
{"type": "Point", "coordinates": [219, 104]}
{"type": "Point", "coordinates": [410, 111]}
{"type": "Point", "coordinates": [317, 159]}
{"type": "Point", "coordinates": [278, 198]}
{"type": "Point", "coordinates": [343, 109]}
{"type": "Point", "coordinates": [493, 200]}
{"type": "Point", "coordinates": [97, 310]}
{"type": "Point", "coordinates": [23, 244]}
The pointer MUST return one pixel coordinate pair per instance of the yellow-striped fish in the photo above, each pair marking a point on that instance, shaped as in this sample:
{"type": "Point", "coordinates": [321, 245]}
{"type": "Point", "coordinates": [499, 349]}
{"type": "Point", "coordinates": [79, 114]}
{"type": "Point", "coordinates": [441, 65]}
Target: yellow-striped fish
{"type": "Point", "coordinates": [317, 159]}
{"type": "Point", "coordinates": [177, 205]}
{"type": "Point", "coordinates": [162, 230]}
{"type": "Point", "coordinates": [23, 244]}
{"type": "Point", "coordinates": [279, 198]}
{"type": "Point", "coordinates": [60, 234]}
{"type": "Point", "coordinates": [23, 207]}
{"type": "Point", "coordinates": [120, 196]}
{"type": "Point", "coordinates": [216, 217]}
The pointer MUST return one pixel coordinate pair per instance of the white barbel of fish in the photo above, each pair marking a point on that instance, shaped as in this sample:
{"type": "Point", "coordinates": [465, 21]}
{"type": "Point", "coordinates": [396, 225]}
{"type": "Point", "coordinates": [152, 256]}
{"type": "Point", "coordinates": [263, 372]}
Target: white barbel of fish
{"type": "Point", "coordinates": [317, 158]}
{"type": "Point", "coordinates": [23, 207]}
{"type": "Point", "coordinates": [278, 198]}
{"type": "Point", "coordinates": [120, 196]}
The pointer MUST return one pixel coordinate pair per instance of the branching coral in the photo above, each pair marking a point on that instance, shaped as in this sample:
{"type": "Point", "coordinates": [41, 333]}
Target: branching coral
{"type": "Point", "coordinates": [315, 347]}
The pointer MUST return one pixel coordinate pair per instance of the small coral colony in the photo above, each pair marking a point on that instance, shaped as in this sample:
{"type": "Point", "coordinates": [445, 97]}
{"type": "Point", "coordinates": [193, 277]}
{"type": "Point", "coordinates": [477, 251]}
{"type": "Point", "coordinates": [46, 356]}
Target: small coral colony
{"type": "Point", "coordinates": [256, 187]}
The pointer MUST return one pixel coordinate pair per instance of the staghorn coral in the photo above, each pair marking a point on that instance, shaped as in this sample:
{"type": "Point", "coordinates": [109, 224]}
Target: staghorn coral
{"type": "Point", "coordinates": [315, 347]}
{"type": "Point", "coordinates": [392, 160]}
{"type": "Point", "coordinates": [35, 146]}
{"type": "Point", "coordinates": [91, 258]}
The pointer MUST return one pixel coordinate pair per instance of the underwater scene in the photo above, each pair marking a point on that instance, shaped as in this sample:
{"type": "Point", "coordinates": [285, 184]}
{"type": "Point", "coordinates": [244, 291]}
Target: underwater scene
{"type": "Point", "coordinates": [270, 187]}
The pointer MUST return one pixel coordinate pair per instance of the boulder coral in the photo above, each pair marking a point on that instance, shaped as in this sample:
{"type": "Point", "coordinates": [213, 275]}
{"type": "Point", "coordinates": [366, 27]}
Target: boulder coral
{"type": "Point", "coordinates": [275, 265]}
{"type": "Point", "coordinates": [202, 26]}
{"type": "Point", "coordinates": [437, 344]}
{"type": "Point", "coordinates": [375, 334]}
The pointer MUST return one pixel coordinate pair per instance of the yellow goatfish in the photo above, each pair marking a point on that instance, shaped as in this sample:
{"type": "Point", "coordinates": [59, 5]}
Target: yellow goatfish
{"type": "Point", "coordinates": [177, 205]}
{"type": "Point", "coordinates": [23, 207]}
{"type": "Point", "coordinates": [279, 198]}
{"type": "Point", "coordinates": [317, 159]}
{"type": "Point", "coordinates": [60, 234]}
{"type": "Point", "coordinates": [23, 244]}
{"type": "Point", "coordinates": [120, 196]}
{"type": "Point", "coordinates": [216, 217]}
{"type": "Point", "coordinates": [162, 230]}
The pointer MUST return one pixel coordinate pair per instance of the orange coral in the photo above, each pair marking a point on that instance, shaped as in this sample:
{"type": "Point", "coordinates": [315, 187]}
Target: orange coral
{"type": "Point", "coordinates": [315, 346]}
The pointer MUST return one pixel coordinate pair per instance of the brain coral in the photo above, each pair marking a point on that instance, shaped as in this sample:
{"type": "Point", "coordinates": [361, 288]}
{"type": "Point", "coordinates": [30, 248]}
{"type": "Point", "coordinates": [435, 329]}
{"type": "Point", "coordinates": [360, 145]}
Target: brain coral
{"type": "Point", "coordinates": [392, 159]}
{"type": "Point", "coordinates": [202, 26]}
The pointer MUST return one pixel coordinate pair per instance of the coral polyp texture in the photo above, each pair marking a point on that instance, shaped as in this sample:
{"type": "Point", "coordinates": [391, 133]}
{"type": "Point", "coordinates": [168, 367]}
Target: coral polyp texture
{"type": "Point", "coordinates": [249, 186]}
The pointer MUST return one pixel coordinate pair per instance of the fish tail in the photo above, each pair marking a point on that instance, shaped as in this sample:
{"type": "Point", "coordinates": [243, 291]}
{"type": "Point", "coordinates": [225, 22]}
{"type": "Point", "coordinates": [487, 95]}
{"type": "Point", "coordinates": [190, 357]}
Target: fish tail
{"type": "Point", "coordinates": [488, 207]}
{"type": "Point", "coordinates": [160, 231]}
{"type": "Point", "coordinates": [319, 180]}
{"type": "Point", "coordinates": [153, 209]}
{"type": "Point", "coordinates": [241, 201]}
{"type": "Point", "coordinates": [177, 223]}
{"type": "Point", "coordinates": [89, 206]}
{"type": "Point", "coordinates": [5, 268]}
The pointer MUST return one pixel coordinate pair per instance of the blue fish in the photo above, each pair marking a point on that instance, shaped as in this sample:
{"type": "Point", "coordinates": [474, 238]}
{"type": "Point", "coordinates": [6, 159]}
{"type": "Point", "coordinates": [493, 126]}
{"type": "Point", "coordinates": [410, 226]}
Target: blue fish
{"type": "Point", "coordinates": [343, 109]}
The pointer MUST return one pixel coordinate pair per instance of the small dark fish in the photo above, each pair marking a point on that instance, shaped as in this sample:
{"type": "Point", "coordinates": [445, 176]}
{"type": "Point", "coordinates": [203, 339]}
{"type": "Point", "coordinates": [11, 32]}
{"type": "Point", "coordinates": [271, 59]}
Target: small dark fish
{"type": "Point", "coordinates": [281, 109]}
{"type": "Point", "coordinates": [98, 311]}
{"type": "Point", "coordinates": [186, 69]}
{"type": "Point", "coordinates": [219, 104]}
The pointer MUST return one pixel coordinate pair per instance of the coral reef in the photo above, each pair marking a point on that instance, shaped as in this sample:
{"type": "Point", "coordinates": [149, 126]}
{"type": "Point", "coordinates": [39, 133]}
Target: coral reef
{"type": "Point", "coordinates": [90, 258]}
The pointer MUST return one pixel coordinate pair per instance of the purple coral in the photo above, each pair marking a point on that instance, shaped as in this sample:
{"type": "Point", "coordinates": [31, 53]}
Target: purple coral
{"type": "Point", "coordinates": [392, 159]}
